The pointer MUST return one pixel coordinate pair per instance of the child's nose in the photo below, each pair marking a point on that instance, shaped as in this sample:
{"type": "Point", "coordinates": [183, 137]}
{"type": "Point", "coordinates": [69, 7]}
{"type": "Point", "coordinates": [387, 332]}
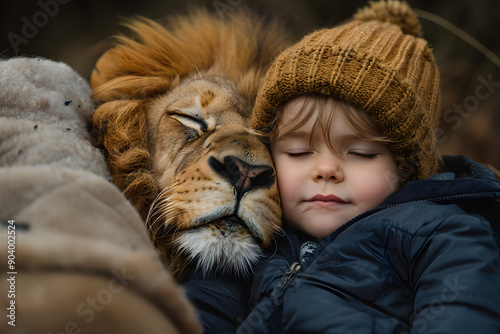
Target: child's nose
{"type": "Point", "coordinates": [328, 169]}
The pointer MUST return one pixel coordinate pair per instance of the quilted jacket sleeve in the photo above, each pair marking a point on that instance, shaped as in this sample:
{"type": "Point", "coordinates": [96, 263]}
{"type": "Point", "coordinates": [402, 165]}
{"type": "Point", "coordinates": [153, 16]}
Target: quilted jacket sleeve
{"type": "Point", "coordinates": [454, 273]}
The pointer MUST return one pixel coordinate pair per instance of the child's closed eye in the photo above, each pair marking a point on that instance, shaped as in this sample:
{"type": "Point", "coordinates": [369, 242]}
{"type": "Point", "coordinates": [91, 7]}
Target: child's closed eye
{"type": "Point", "coordinates": [298, 154]}
{"type": "Point", "coordinates": [366, 156]}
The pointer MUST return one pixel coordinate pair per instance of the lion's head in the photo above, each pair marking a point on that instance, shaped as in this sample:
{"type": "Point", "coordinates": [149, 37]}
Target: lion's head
{"type": "Point", "coordinates": [173, 118]}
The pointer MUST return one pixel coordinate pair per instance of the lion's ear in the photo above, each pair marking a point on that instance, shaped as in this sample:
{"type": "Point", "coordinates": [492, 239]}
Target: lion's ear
{"type": "Point", "coordinates": [114, 78]}
{"type": "Point", "coordinates": [147, 64]}
{"type": "Point", "coordinates": [105, 69]}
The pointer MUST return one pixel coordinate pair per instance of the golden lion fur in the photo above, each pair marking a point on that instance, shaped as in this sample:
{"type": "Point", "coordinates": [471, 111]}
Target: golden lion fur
{"type": "Point", "coordinates": [238, 48]}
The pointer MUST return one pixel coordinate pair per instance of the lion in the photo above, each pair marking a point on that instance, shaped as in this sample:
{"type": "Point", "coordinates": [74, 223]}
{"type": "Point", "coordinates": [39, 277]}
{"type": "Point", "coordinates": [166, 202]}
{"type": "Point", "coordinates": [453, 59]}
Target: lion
{"type": "Point", "coordinates": [173, 119]}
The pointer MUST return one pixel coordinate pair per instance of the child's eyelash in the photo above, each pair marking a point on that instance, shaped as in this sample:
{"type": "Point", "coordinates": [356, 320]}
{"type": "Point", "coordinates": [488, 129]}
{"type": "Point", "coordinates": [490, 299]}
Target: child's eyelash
{"type": "Point", "coordinates": [368, 156]}
{"type": "Point", "coordinates": [298, 154]}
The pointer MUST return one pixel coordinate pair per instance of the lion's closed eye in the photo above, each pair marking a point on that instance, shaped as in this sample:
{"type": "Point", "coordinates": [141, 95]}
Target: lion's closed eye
{"type": "Point", "coordinates": [189, 120]}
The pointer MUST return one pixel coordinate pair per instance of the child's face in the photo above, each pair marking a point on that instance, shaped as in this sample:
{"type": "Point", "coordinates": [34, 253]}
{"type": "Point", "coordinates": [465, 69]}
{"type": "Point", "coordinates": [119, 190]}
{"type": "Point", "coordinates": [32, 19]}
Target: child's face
{"type": "Point", "coordinates": [321, 190]}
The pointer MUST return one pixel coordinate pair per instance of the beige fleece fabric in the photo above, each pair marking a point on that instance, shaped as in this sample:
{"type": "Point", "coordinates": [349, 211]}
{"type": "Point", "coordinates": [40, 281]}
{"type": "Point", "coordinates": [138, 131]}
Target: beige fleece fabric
{"type": "Point", "coordinates": [83, 260]}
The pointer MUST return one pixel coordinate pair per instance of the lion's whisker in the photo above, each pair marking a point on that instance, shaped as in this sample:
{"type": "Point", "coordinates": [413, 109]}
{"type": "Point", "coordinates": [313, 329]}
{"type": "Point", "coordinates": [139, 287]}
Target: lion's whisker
{"type": "Point", "coordinates": [162, 213]}
{"type": "Point", "coordinates": [155, 201]}
{"type": "Point", "coordinates": [195, 86]}
{"type": "Point", "coordinates": [167, 231]}
{"type": "Point", "coordinates": [201, 78]}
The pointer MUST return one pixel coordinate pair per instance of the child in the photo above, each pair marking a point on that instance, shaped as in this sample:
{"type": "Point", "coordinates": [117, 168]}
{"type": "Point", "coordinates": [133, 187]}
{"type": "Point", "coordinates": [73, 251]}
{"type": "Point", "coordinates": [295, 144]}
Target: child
{"type": "Point", "coordinates": [382, 235]}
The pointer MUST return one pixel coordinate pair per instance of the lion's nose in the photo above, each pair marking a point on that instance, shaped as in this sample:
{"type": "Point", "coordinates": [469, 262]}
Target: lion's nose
{"type": "Point", "coordinates": [242, 176]}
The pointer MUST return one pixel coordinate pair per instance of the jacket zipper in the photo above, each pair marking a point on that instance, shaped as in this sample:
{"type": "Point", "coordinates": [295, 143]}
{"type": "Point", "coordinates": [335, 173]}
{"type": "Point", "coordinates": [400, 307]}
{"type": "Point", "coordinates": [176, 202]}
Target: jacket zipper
{"type": "Point", "coordinates": [294, 268]}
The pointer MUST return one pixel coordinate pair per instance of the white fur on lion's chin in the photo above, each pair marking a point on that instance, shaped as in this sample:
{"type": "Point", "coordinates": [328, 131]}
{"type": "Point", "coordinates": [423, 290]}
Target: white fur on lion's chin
{"type": "Point", "coordinates": [230, 253]}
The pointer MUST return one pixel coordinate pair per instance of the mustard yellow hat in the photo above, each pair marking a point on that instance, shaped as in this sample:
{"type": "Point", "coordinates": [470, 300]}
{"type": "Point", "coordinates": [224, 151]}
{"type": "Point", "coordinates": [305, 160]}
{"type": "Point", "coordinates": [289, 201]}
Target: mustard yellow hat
{"type": "Point", "coordinates": [377, 62]}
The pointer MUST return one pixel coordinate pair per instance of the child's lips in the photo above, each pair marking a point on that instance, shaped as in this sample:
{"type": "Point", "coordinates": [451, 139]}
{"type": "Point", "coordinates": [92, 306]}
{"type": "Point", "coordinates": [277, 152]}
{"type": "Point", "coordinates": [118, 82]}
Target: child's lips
{"type": "Point", "coordinates": [327, 200]}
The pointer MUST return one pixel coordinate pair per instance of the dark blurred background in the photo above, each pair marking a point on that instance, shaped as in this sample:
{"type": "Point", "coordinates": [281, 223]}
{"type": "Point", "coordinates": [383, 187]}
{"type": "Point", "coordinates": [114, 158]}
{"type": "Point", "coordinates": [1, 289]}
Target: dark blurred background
{"type": "Point", "coordinates": [77, 32]}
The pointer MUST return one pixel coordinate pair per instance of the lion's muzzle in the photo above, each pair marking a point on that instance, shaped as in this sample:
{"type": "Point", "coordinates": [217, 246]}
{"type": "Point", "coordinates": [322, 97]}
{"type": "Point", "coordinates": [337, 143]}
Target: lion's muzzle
{"type": "Point", "coordinates": [243, 176]}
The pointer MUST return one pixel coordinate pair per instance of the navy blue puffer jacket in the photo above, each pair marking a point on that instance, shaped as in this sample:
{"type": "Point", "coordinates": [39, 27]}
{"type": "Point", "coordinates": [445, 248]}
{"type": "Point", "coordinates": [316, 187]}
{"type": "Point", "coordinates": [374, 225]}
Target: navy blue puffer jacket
{"type": "Point", "coordinates": [425, 261]}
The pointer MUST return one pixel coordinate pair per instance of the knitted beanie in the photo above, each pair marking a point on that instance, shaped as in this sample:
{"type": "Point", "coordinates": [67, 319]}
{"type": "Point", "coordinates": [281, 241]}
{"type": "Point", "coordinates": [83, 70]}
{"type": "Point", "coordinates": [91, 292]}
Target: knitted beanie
{"type": "Point", "coordinates": [377, 62]}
